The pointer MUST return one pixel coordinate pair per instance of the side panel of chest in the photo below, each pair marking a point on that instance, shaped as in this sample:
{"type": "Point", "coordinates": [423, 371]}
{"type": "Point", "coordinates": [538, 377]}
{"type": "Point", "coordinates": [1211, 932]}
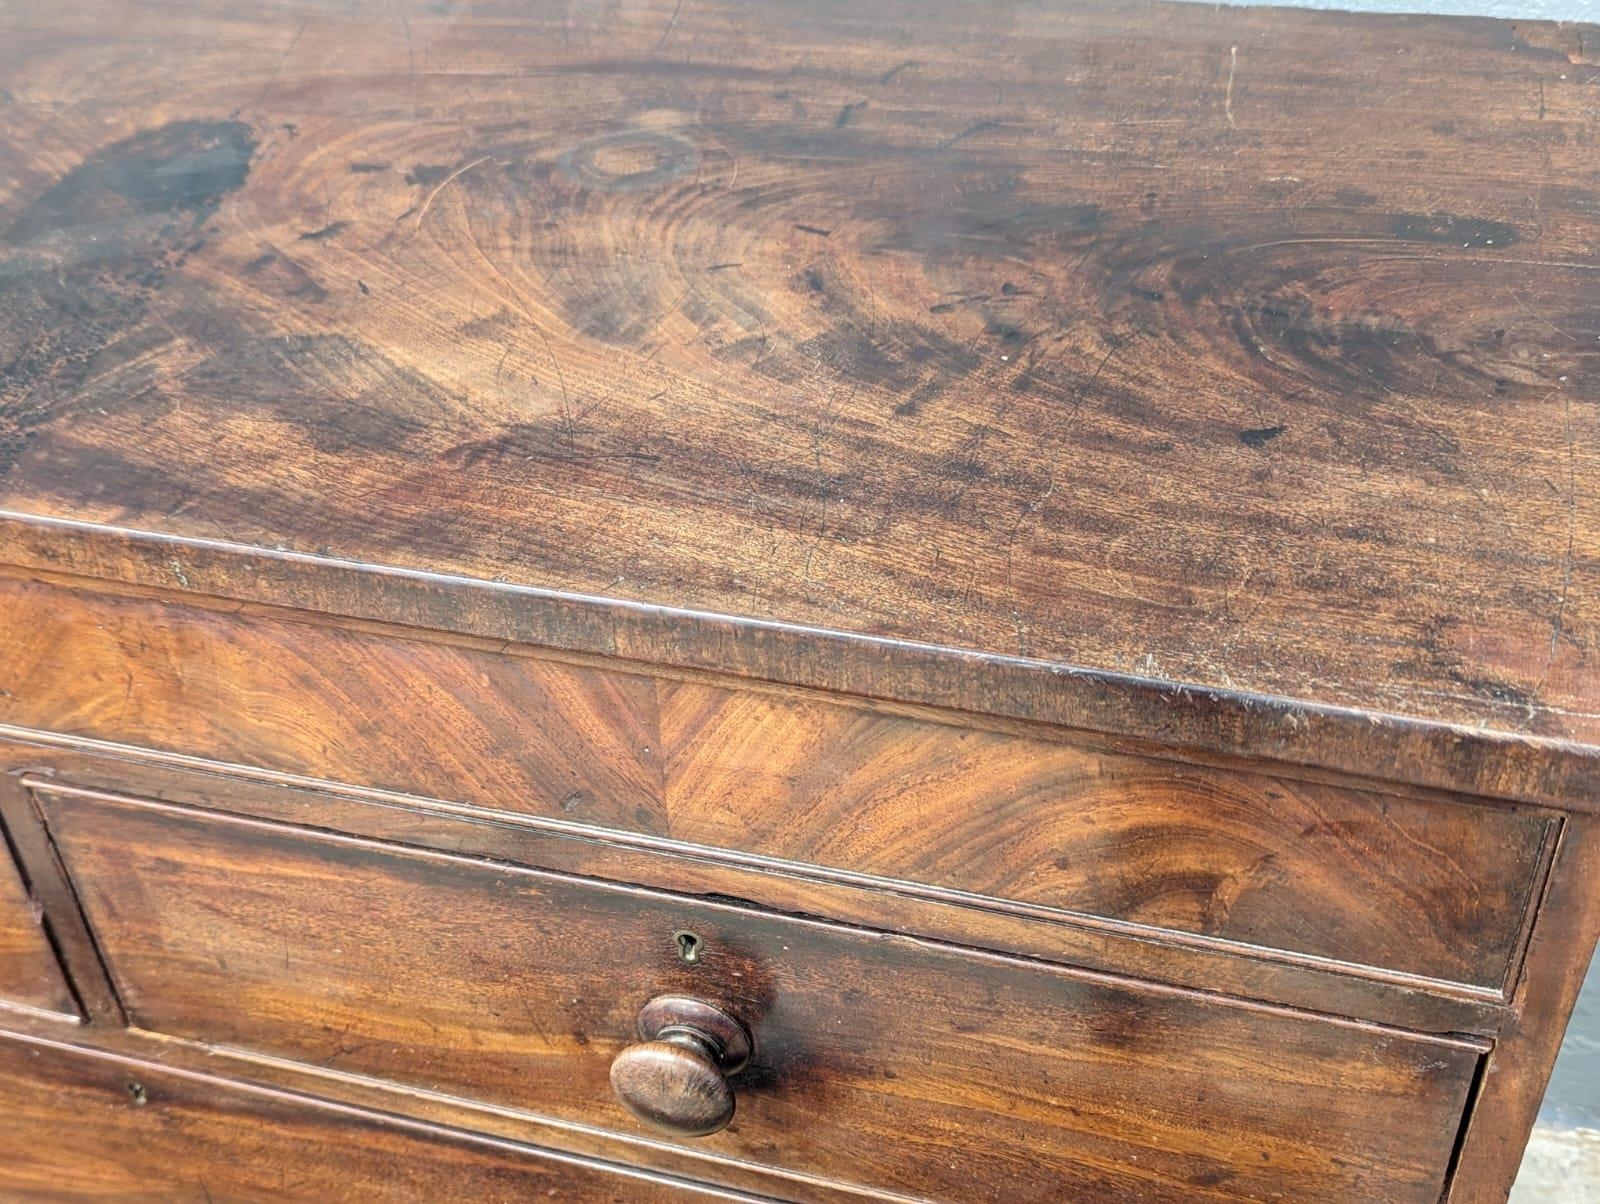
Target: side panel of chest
{"type": "Point", "coordinates": [30, 975]}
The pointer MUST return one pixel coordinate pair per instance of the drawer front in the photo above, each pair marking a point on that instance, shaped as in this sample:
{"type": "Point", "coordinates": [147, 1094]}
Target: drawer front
{"type": "Point", "coordinates": [997, 821]}
{"type": "Point", "coordinates": [86, 1126]}
{"type": "Point", "coordinates": [882, 1061]}
{"type": "Point", "coordinates": [30, 975]}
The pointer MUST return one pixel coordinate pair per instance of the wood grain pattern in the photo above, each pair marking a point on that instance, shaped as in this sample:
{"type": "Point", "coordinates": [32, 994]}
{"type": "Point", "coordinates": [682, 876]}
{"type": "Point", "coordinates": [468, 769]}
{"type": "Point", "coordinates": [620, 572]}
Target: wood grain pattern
{"type": "Point", "coordinates": [1046, 828]}
{"type": "Point", "coordinates": [519, 987]}
{"type": "Point", "coordinates": [299, 1083]}
{"type": "Point", "coordinates": [409, 715]}
{"type": "Point", "coordinates": [145, 1133]}
{"type": "Point", "coordinates": [1201, 963]}
{"type": "Point", "coordinates": [1331, 872]}
{"type": "Point", "coordinates": [1132, 710]}
{"type": "Point", "coordinates": [1217, 386]}
{"type": "Point", "coordinates": [30, 975]}
{"type": "Point", "coordinates": [1255, 350]}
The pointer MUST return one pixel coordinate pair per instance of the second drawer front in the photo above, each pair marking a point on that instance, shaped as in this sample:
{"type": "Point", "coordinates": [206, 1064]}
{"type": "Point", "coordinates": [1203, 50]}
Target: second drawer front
{"type": "Point", "coordinates": [879, 1060]}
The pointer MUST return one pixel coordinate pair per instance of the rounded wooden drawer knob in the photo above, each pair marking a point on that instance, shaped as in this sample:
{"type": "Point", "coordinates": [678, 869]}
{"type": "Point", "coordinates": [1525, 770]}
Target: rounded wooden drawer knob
{"type": "Point", "coordinates": [677, 1078]}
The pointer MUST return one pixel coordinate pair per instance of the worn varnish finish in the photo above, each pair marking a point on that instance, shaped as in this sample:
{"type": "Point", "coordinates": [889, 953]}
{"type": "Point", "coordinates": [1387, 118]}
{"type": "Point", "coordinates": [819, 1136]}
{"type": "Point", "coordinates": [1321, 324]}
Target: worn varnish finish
{"type": "Point", "coordinates": [520, 988]}
{"type": "Point", "coordinates": [1054, 539]}
{"type": "Point", "coordinates": [1041, 827]}
{"type": "Point", "coordinates": [1369, 744]}
{"type": "Point", "coordinates": [1246, 349]}
{"type": "Point", "coordinates": [136, 1127]}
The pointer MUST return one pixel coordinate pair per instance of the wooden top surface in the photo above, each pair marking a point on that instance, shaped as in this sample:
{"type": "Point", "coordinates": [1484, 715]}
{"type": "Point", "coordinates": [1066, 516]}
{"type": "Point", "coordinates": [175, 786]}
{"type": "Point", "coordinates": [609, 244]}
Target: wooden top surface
{"type": "Point", "coordinates": [1252, 349]}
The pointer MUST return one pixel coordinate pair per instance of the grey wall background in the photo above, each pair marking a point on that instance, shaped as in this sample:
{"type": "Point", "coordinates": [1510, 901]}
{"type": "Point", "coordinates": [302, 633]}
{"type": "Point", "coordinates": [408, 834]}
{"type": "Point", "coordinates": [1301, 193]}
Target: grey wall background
{"type": "Point", "coordinates": [1574, 1095]}
{"type": "Point", "coordinates": [1549, 10]}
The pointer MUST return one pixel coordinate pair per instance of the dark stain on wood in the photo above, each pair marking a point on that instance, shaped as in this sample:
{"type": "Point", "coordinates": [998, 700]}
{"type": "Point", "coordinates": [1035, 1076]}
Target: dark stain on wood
{"type": "Point", "coordinates": [1446, 228]}
{"type": "Point", "coordinates": [185, 168]}
{"type": "Point", "coordinates": [83, 264]}
{"type": "Point", "coordinates": [331, 230]}
{"type": "Point", "coordinates": [1260, 436]}
{"type": "Point", "coordinates": [385, 407]}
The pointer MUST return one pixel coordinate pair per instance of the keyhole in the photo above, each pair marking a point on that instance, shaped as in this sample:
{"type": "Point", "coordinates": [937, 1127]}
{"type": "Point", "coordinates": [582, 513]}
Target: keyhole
{"type": "Point", "coordinates": [690, 947]}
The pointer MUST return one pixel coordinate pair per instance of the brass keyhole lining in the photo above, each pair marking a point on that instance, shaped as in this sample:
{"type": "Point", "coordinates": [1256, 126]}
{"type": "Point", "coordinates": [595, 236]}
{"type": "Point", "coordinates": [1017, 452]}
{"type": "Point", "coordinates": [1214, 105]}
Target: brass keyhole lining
{"type": "Point", "coordinates": [690, 947]}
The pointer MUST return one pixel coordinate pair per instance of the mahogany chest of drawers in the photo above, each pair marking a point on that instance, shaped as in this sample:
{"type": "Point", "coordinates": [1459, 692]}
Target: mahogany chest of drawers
{"type": "Point", "coordinates": [676, 599]}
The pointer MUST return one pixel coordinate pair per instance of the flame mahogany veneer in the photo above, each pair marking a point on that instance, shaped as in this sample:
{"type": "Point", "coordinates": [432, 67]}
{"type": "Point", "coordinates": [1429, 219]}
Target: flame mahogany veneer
{"type": "Point", "coordinates": [876, 599]}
